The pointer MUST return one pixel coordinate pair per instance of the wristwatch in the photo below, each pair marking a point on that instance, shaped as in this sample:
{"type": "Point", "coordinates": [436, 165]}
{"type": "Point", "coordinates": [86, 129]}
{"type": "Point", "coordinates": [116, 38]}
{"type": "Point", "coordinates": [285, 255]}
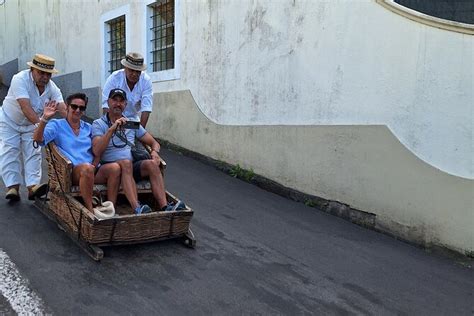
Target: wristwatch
{"type": "Point", "coordinates": [42, 119]}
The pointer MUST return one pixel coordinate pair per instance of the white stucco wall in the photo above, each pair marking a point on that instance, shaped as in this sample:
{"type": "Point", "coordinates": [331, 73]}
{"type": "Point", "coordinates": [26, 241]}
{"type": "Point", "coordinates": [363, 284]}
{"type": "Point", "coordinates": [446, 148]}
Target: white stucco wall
{"type": "Point", "coordinates": [329, 63]}
{"type": "Point", "coordinates": [279, 62]}
{"type": "Point", "coordinates": [68, 30]}
{"type": "Point", "coordinates": [9, 48]}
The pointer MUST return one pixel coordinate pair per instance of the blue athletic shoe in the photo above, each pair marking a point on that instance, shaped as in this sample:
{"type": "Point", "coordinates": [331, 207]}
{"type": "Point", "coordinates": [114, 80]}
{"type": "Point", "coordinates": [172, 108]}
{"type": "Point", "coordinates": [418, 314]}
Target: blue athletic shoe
{"type": "Point", "coordinates": [143, 209]}
{"type": "Point", "coordinates": [168, 207]}
{"type": "Point", "coordinates": [178, 206]}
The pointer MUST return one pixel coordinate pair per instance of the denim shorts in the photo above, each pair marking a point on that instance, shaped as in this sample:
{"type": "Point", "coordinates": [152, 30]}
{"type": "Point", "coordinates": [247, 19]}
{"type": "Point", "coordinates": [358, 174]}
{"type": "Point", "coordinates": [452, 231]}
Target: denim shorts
{"type": "Point", "coordinates": [136, 170]}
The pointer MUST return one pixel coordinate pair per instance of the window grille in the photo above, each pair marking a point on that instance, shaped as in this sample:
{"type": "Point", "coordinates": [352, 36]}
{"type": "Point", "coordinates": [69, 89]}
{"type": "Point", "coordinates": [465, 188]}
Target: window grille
{"type": "Point", "coordinates": [116, 35]}
{"type": "Point", "coordinates": [162, 35]}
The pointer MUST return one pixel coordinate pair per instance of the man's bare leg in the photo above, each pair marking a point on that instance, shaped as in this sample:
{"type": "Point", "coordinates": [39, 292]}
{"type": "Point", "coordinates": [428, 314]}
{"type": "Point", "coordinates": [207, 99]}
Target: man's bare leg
{"type": "Point", "coordinates": [128, 183]}
{"type": "Point", "coordinates": [151, 169]}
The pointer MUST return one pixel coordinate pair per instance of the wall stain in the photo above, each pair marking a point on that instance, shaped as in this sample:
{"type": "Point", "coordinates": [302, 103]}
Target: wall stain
{"type": "Point", "coordinates": [255, 21]}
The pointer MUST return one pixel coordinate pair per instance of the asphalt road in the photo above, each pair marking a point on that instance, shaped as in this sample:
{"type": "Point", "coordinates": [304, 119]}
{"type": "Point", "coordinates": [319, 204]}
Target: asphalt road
{"type": "Point", "coordinates": [257, 253]}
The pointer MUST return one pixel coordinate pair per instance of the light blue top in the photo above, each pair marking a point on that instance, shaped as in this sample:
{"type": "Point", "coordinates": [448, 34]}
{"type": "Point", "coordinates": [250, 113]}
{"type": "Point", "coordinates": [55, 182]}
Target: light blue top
{"type": "Point", "coordinates": [77, 148]}
{"type": "Point", "coordinates": [116, 148]}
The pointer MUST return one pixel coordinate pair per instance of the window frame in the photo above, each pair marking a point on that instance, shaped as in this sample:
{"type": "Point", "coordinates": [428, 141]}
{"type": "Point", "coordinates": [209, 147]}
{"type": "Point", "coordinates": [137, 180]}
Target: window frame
{"type": "Point", "coordinates": [168, 74]}
{"type": "Point", "coordinates": [105, 28]}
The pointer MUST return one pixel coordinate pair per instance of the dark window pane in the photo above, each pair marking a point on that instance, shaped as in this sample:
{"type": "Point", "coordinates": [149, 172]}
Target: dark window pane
{"type": "Point", "coordinates": [116, 43]}
{"type": "Point", "coordinates": [162, 41]}
{"type": "Point", "coordinates": [454, 10]}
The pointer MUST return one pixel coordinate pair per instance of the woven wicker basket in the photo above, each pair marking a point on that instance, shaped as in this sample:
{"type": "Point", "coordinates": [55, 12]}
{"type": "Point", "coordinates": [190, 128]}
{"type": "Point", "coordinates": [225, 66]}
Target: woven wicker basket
{"type": "Point", "coordinates": [59, 169]}
{"type": "Point", "coordinates": [121, 228]}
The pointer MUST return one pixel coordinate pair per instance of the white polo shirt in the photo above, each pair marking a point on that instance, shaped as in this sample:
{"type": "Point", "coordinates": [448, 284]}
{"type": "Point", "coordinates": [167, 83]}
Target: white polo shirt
{"type": "Point", "coordinates": [23, 87]}
{"type": "Point", "coordinates": [140, 99]}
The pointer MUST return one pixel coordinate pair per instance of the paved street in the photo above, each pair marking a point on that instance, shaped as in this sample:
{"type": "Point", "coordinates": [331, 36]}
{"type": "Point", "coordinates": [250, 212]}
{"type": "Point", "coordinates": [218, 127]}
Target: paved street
{"type": "Point", "coordinates": [257, 253]}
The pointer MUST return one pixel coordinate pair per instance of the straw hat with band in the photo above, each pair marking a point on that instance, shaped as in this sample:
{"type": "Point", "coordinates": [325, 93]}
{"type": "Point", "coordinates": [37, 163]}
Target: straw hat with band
{"type": "Point", "coordinates": [134, 61]}
{"type": "Point", "coordinates": [43, 63]}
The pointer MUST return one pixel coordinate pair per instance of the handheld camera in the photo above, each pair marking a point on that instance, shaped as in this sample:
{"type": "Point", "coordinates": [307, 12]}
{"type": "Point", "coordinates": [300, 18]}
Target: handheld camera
{"type": "Point", "coordinates": [131, 125]}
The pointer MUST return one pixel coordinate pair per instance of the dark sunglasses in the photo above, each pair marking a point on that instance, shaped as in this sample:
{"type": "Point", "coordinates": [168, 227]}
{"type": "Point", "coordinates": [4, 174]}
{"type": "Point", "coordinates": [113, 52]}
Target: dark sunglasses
{"type": "Point", "coordinates": [75, 107]}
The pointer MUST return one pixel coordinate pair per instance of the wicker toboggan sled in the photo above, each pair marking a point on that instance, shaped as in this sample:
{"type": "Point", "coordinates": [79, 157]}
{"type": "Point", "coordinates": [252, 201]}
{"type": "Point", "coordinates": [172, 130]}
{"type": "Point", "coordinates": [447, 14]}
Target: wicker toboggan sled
{"type": "Point", "coordinates": [63, 204]}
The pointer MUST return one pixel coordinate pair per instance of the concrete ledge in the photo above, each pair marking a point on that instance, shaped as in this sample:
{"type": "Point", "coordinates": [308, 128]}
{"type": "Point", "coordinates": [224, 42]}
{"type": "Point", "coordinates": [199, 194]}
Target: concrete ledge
{"type": "Point", "coordinates": [7, 71]}
{"type": "Point", "coordinates": [344, 211]}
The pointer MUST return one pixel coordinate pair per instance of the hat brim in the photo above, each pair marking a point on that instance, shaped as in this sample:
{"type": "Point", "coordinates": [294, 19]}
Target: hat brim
{"type": "Point", "coordinates": [51, 71]}
{"type": "Point", "coordinates": [125, 63]}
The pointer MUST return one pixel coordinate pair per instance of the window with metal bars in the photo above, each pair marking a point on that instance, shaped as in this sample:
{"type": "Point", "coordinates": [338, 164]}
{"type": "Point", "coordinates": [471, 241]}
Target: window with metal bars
{"type": "Point", "coordinates": [162, 35]}
{"type": "Point", "coordinates": [116, 42]}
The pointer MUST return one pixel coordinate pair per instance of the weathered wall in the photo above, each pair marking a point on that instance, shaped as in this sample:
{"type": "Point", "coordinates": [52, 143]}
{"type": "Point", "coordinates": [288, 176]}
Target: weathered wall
{"type": "Point", "coordinates": [68, 30]}
{"type": "Point", "coordinates": [332, 62]}
{"type": "Point", "coordinates": [9, 30]}
{"type": "Point", "coordinates": [53, 28]}
{"type": "Point", "coordinates": [294, 62]}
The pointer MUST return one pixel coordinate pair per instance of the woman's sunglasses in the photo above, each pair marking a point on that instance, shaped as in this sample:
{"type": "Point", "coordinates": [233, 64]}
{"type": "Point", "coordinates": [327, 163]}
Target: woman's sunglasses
{"type": "Point", "coordinates": [75, 107]}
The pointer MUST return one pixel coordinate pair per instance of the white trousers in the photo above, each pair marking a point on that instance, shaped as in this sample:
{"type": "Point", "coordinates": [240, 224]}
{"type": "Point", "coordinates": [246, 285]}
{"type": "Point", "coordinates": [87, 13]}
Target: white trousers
{"type": "Point", "coordinates": [17, 153]}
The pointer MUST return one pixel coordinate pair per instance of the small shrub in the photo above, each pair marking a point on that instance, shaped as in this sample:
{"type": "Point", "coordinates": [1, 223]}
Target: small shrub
{"type": "Point", "coordinates": [241, 173]}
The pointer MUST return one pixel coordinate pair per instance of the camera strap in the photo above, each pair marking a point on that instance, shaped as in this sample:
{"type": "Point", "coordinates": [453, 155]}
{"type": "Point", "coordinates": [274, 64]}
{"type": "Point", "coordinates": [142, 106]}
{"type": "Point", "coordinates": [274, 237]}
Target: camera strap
{"type": "Point", "coordinates": [119, 135]}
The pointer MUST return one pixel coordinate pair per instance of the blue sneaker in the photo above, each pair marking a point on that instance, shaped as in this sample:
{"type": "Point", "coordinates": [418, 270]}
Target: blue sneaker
{"type": "Point", "coordinates": [168, 207]}
{"type": "Point", "coordinates": [143, 209]}
{"type": "Point", "coordinates": [179, 206]}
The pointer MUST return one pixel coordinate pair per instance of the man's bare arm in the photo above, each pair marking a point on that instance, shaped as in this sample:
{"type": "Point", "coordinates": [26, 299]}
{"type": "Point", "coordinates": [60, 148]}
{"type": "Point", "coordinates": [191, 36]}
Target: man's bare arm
{"type": "Point", "coordinates": [99, 143]}
{"type": "Point", "coordinates": [144, 118]}
{"type": "Point", "coordinates": [61, 109]}
{"type": "Point", "coordinates": [28, 110]}
{"type": "Point", "coordinates": [147, 139]}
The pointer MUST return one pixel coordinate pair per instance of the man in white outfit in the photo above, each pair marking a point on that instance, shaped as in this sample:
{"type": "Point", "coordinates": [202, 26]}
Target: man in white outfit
{"type": "Point", "coordinates": [136, 83]}
{"type": "Point", "coordinates": [29, 92]}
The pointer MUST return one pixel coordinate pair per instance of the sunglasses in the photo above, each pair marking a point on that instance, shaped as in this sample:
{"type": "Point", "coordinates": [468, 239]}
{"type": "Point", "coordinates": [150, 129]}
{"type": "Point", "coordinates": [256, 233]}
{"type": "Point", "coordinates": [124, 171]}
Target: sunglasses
{"type": "Point", "coordinates": [75, 107]}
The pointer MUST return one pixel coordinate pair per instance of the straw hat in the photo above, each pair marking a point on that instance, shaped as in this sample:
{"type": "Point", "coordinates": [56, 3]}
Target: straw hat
{"type": "Point", "coordinates": [133, 61]}
{"type": "Point", "coordinates": [43, 63]}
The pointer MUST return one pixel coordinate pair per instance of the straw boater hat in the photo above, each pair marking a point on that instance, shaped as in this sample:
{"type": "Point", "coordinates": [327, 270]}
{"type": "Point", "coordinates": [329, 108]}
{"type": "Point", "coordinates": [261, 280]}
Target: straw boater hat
{"type": "Point", "coordinates": [134, 61]}
{"type": "Point", "coordinates": [43, 63]}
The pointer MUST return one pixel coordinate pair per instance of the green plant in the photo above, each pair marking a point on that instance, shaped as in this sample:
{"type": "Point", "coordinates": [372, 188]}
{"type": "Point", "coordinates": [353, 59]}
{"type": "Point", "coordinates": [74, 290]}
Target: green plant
{"type": "Point", "coordinates": [241, 173]}
{"type": "Point", "coordinates": [309, 203]}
